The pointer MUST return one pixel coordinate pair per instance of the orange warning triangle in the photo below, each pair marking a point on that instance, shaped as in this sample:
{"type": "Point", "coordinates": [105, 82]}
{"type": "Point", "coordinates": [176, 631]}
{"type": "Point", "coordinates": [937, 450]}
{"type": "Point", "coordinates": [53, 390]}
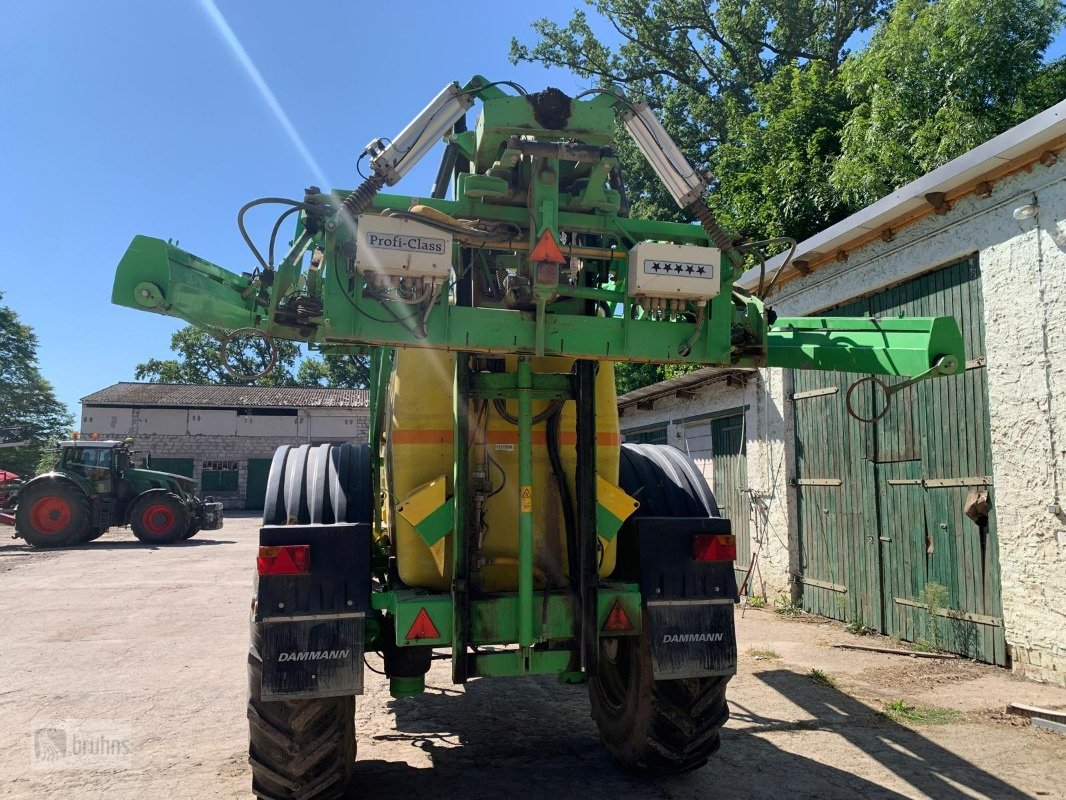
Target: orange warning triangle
{"type": "Point", "coordinates": [547, 250]}
{"type": "Point", "coordinates": [617, 619]}
{"type": "Point", "coordinates": [423, 627]}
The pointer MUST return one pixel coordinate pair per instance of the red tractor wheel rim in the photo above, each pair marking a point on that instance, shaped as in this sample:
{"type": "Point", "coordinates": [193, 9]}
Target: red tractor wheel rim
{"type": "Point", "coordinates": [50, 515]}
{"type": "Point", "coordinates": [158, 518]}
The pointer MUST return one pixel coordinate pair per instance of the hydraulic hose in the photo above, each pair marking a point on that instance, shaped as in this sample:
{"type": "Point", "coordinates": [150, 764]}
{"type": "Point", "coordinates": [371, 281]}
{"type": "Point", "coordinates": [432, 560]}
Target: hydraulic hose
{"type": "Point", "coordinates": [569, 522]}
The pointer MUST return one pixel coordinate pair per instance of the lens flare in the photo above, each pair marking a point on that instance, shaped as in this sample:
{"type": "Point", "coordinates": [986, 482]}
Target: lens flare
{"type": "Point", "coordinates": [235, 46]}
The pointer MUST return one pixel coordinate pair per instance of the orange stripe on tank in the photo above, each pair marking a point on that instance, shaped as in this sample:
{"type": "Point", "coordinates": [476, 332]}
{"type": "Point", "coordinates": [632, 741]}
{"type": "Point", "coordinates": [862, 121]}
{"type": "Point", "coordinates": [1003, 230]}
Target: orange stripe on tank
{"type": "Point", "coordinates": [418, 436]}
{"type": "Point", "coordinates": [444, 436]}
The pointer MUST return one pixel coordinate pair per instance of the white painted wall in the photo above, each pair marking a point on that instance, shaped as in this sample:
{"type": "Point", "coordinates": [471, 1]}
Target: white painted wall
{"type": "Point", "coordinates": [163, 421]}
{"type": "Point", "coordinates": [263, 425]}
{"type": "Point", "coordinates": [107, 422]}
{"type": "Point", "coordinates": [333, 426]}
{"type": "Point", "coordinates": [208, 422]}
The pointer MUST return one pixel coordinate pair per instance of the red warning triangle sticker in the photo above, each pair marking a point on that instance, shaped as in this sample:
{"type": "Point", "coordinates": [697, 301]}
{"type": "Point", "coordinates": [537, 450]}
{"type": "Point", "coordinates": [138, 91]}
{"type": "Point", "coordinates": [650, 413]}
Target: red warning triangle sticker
{"type": "Point", "coordinates": [617, 619]}
{"type": "Point", "coordinates": [423, 627]}
{"type": "Point", "coordinates": [547, 250]}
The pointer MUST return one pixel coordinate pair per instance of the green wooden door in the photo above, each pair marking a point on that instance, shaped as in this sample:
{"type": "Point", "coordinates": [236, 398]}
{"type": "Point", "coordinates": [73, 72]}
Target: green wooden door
{"type": "Point", "coordinates": [730, 482]}
{"type": "Point", "coordinates": [255, 493]}
{"type": "Point", "coordinates": [881, 507]}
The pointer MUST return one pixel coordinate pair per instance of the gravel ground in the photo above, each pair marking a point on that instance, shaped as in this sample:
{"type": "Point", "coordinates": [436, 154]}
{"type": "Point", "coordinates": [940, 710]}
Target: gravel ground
{"type": "Point", "coordinates": [150, 644]}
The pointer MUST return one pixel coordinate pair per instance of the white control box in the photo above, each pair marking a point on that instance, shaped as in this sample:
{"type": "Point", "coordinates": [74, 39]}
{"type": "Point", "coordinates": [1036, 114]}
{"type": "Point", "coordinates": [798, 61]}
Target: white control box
{"type": "Point", "coordinates": [402, 248]}
{"type": "Point", "coordinates": [674, 271]}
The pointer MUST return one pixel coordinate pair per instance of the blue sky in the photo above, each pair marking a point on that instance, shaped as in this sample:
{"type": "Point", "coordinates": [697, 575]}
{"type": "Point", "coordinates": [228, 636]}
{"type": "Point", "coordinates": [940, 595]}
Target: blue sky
{"type": "Point", "coordinates": [119, 118]}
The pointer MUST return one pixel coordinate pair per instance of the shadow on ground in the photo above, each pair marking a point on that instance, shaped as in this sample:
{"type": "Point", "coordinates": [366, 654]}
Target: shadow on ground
{"type": "Point", "coordinates": [529, 737]}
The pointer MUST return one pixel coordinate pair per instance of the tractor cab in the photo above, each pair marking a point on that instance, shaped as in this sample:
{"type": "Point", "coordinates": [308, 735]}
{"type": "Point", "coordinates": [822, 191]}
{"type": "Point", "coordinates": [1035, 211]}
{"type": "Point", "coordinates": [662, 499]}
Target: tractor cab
{"type": "Point", "coordinates": [99, 463]}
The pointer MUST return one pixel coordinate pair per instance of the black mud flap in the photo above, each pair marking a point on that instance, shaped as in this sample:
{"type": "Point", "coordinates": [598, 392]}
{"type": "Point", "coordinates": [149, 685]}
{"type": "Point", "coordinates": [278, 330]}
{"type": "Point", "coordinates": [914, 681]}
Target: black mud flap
{"type": "Point", "coordinates": [688, 604]}
{"type": "Point", "coordinates": [691, 638]}
{"type": "Point", "coordinates": [312, 658]}
{"type": "Point", "coordinates": [311, 625]}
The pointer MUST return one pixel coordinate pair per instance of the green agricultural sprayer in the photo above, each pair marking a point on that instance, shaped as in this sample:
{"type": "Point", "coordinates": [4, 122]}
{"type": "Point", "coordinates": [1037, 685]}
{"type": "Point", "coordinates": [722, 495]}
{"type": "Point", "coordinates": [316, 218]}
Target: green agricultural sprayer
{"type": "Point", "coordinates": [495, 518]}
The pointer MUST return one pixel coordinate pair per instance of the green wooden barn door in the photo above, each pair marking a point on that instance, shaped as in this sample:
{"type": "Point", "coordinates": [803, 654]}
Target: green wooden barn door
{"type": "Point", "coordinates": [836, 500]}
{"type": "Point", "coordinates": [255, 493]}
{"type": "Point", "coordinates": [881, 508]}
{"type": "Point", "coordinates": [730, 484]}
{"type": "Point", "coordinates": [941, 568]}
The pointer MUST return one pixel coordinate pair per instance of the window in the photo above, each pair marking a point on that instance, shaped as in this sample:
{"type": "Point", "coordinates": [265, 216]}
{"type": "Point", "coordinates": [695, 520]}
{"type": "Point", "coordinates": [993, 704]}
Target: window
{"type": "Point", "coordinates": [219, 476]}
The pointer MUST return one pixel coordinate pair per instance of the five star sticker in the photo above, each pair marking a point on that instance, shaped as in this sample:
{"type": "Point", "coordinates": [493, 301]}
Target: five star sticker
{"type": "Point", "coordinates": [678, 268]}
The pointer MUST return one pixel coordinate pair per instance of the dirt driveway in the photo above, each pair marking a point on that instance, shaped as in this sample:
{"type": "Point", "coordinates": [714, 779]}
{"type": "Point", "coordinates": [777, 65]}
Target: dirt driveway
{"type": "Point", "coordinates": [152, 641]}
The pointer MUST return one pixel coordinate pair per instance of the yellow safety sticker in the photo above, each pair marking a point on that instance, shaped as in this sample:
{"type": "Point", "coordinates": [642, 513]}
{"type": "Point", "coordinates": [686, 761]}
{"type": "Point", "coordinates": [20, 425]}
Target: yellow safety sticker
{"type": "Point", "coordinates": [527, 498]}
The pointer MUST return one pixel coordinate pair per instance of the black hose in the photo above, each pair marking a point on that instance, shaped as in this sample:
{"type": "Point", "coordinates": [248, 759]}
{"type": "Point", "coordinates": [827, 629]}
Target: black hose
{"type": "Point", "coordinates": [501, 409]}
{"type": "Point", "coordinates": [569, 522]}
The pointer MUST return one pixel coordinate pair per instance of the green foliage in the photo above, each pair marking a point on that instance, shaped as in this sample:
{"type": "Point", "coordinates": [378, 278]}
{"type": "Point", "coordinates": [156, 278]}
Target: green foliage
{"type": "Point", "coordinates": [774, 169]}
{"type": "Point", "coordinates": [902, 711]}
{"type": "Point", "coordinates": [823, 678]}
{"type": "Point", "coordinates": [784, 606]}
{"type": "Point", "coordinates": [757, 601]}
{"type": "Point", "coordinates": [938, 79]}
{"type": "Point", "coordinates": [27, 400]}
{"type": "Point", "coordinates": [198, 360]}
{"type": "Point", "coordinates": [763, 653]}
{"type": "Point", "coordinates": [335, 370]}
{"type": "Point", "coordinates": [934, 597]}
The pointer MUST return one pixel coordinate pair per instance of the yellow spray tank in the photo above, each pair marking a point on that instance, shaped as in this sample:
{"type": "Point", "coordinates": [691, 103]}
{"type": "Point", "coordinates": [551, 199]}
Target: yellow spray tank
{"type": "Point", "coordinates": [420, 450]}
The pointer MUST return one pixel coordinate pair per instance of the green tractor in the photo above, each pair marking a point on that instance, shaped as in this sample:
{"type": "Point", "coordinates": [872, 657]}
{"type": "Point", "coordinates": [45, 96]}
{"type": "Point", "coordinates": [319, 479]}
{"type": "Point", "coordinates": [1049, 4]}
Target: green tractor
{"type": "Point", "coordinates": [95, 485]}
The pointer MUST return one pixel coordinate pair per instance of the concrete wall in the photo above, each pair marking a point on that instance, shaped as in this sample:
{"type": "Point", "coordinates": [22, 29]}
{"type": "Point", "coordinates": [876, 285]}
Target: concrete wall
{"type": "Point", "coordinates": [221, 435]}
{"type": "Point", "coordinates": [1023, 265]}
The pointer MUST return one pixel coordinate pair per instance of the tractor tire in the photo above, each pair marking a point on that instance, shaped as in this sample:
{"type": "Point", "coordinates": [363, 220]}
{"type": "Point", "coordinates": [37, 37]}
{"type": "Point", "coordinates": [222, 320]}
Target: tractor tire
{"type": "Point", "coordinates": [319, 484]}
{"type": "Point", "coordinates": [661, 727]}
{"type": "Point", "coordinates": [298, 749]}
{"type": "Point", "coordinates": [192, 530]}
{"type": "Point", "coordinates": [93, 534]}
{"type": "Point", "coordinates": [159, 517]}
{"type": "Point", "coordinates": [52, 512]}
{"type": "Point", "coordinates": [306, 748]}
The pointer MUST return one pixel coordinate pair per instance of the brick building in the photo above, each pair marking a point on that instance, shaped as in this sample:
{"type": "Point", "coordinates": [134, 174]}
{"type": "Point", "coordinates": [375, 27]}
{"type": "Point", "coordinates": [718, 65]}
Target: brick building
{"type": "Point", "coordinates": [224, 436]}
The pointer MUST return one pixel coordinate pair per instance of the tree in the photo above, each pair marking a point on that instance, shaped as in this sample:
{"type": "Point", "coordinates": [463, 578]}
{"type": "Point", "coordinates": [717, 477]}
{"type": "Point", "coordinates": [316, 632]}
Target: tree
{"type": "Point", "coordinates": [774, 170]}
{"type": "Point", "coordinates": [199, 361]}
{"type": "Point", "coordinates": [938, 79]}
{"type": "Point", "coordinates": [335, 370]}
{"type": "Point", "coordinates": [698, 64]}
{"type": "Point", "coordinates": [27, 400]}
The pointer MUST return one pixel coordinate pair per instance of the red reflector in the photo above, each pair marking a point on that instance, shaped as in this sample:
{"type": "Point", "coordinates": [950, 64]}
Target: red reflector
{"type": "Point", "coordinates": [546, 249]}
{"type": "Point", "coordinates": [617, 619]}
{"type": "Point", "coordinates": [289, 559]}
{"type": "Point", "coordinates": [714, 547]}
{"type": "Point", "coordinates": [423, 627]}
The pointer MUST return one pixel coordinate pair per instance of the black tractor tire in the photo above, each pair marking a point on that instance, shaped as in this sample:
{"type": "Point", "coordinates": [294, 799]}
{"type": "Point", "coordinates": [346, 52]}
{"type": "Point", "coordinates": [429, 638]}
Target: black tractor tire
{"type": "Point", "coordinates": [159, 517]}
{"type": "Point", "coordinates": [661, 727]}
{"type": "Point", "coordinates": [93, 534]}
{"type": "Point", "coordinates": [192, 530]}
{"type": "Point", "coordinates": [52, 512]}
{"type": "Point", "coordinates": [319, 484]}
{"type": "Point", "coordinates": [298, 749]}
{"type": "Point", "coordinates": [306, 748]}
